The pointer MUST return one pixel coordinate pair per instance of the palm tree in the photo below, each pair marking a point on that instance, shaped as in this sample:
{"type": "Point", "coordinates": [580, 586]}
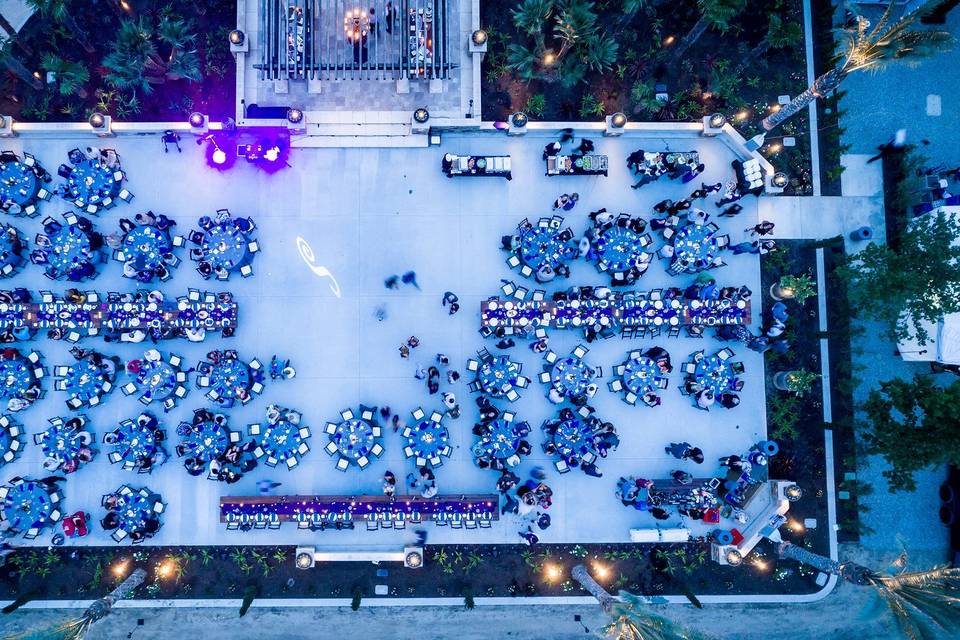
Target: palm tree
{"type": "Point", "coordinates": [71, 76]}
{"type": "Point", "coordinates": [865, 49]}
{"type": "Point", "coordinates": [136, 61]}
{"type": "Point", "coordinates": [77, 629]}
{"type": "Point", "coordinates": [631, 619]}
{"type": "Point", "coordinates": [713, 13]}
{"type": "Point", "coordinates": [14, 66]}
{"type": "Point", "coordinates": [59, 12]}
{"type": "Point", "coordinates": [921, 601]}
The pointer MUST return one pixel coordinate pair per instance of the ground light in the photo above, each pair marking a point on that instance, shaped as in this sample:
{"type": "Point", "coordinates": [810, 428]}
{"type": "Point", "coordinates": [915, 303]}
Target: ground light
{"type": "Point", "coordinates": [120, 569]}
{"type": "Point", "coordinates": [601, 570]}
{"type": "Point", "coordinates": [552, 572]}
{"type": "Point", "coordinates": [742, 115]}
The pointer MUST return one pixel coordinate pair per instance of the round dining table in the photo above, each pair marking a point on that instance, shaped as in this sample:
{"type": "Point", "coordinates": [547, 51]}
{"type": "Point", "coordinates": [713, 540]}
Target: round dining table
{"type": "Point", "coordinates": [18, 183]}
{"type": "Point", "coordinates": [63, 443]}
{"type": "Point", "coordinates": [28, 505]}
{"type": "Point", "coordinates": [281, 440]}
{"type": "Point", "coordinates": [715, 374]}
{"type": "Point", "coordinates": [540, 246]}
{"type": "Point", "coordinates": [353, 438]}
{"type": "Point", "coordinates": [157, 378]}
{"type": "Point", "coordinates": [573, 438]}
{"type": "Point", "coordinates": [145, 248]}
{"type": "Point", "coordinates": [206, 440]}
{"type": "Point", "coordinates": [427, 439]}
{"type": "Point", "coordinates": [135, 442]}
{"type": "Point", "coordinates": [85, 380]}
{"type": "Point", "coordinates": [224, 245]}
{"type": "Point", "coordinates": [17, 376]}
{"type": "Point", "coordinates": [640, 375]}
{"type": "Point", "coordinates": [230, 377]}
{"type": "Point", "coordinates": [134, 510]}
{"type": "Point", "coordinates": [500, 441]}
{"type": "Point", "coordinates": [90, 182]}
{"type": "Point", "coordinates": [696, 245]}
{"type": "Point", "coordinates": [70, 248]}
{"type": "Point", "coordinates": [498, 375]}
{"type": "Point", "coordinates": [571, 376]}
{"type": "Point", "coordinates": [619, 249]}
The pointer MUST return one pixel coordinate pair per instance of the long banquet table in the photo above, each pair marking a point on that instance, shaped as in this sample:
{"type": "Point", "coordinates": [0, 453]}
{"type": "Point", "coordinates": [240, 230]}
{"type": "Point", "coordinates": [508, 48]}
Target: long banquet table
{"type": "Point", "coordinates": [618, 310]}
{"type": "Point", "coordinates": [360, 507]}
{"type": "Point", "coordinates": [120, 316]}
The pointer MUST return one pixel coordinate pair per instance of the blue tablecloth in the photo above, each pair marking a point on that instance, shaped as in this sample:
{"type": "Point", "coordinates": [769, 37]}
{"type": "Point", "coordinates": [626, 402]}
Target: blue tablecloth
{"type": "Point", "coordinates": [62, 443]}
{"type": "Point", "coordinates": [134, 442]}
{"type": "Point", "coordinates": [281, 440]}
{"type": "Point", "coordinates": [145, 246]}
{"type": "Point", "coordinates": [619, 249]}
{"type": "Point", "coordinates": [571, 376]}
{"type": "Point", "coordinates": [640, 375]}
{"type": "Point", "coordinates": [71, 248]}
{"type": "Point", "coordinates": [697, 245]}
{"type": "Point", "coordinates": [427, 439]}
{"type": "Point", "coordinates": [85, 380]}
{"type": "Point", "coordinates": [543, 246]}
{"type": "Point", "coordinates": [224, 245]}
{"type": "Point", "coordinates": [206, 441]}
{"type": "Point", "coordinates": [16, 376]}
{"type": "Point", "coordinates": [90, 182]}
{"type": "Point", "coordinates": [27, 505]}
{"type": "Point", "coordinates": [133, 511]}
{"type": "Point", "coordinates": [158, 379]}
{"type": "Point", "coordinates": [498, 375]}
{"type": "Point", "coordinates": [573, 438]}
{"type": "Point", "coordinates": [354, 438]}
{"type": "Point", "coordinates": [229, 376]}
{"type": "Point", "coordinates": [18, 183]}
{"type": "Point", "coordinates": [501, 441]}
{"type": "Point", "coordinates": [715, 374]}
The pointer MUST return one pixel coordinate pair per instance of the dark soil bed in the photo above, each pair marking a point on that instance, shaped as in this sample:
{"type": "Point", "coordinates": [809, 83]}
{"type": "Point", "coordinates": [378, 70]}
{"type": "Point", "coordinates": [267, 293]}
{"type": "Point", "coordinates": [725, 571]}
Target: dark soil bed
{"type": "Point", "coordinates": [213, 93]}
{"type": "Point", "coordinates": [717, 73]}
{"type": "Point", "coordinates": [448, 571]}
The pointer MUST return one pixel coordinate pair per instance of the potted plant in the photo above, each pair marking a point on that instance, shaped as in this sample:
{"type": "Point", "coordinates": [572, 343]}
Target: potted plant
{"type": "Point", "coordinates": [798, 381]}
{"type": "Point", "coordinates": [797, 288]}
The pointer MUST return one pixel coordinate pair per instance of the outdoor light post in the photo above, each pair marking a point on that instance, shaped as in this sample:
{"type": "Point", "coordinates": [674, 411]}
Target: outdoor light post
{"type": "Point", "coordinates": [478, 41]}
{"type": "Point", "coordinates": [713, 124]}
{"type": "Point", "coordinates": [421, 119]}
{"type": "Point", "coordinates": [615, 124]}
{"type": "Point", "coordinates": [518, 124]}
{"type": "Point", "coordinates": [6, 127]}
{"type": "Point", "coordinates": [238, 41]}
{"type": "Point", "coordinates": [101, 124]}
{"type": "Point", "coordinates": [295, 120]}
{"type": "Point", "coordinates": [199, 122]}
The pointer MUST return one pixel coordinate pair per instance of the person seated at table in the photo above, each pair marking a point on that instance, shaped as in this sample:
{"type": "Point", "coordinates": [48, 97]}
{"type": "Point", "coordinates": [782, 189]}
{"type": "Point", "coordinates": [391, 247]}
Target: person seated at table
{"type": "Point", "coordinates": [729, 400]}
{"type": "Point", "coordinates": [697, 217]}
{"type": "Point", "coordinates": [705, 398]}
{"type": "Point", "coordinates": [651, 399]}
{"type": "Point", "coordinates": [554, 396]}
{"type": "Point", "coordinates": [552, 149]}
{"type": "Point", "coordinates": [524, 448]}
{"type": "Point", "coordinates": [110, 521]}
{"type": "Point", "coordinates": [692, 387]}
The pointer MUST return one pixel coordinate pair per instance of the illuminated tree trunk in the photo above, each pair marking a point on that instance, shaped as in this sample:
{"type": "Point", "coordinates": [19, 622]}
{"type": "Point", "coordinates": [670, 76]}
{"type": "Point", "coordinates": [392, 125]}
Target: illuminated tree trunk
{"type": "Point", "coordinates": [102, 607]}
{"type": "Point", "coordinates": [581, 575]}
{"type": "Point", "coordinates": [821, 87]}
{"type": "Point", "coordinates": [850, 571]}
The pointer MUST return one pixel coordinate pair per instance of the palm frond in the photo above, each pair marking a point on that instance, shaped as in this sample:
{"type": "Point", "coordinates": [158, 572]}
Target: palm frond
{"type": "Point", "coordinates": [531, 15]}
{"type": "Point", "coordinates": [924, 603]}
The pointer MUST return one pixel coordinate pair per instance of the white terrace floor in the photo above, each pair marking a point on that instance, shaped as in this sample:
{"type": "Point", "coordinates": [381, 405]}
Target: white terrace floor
{"type": "Point", "coordinates": [367, 214]}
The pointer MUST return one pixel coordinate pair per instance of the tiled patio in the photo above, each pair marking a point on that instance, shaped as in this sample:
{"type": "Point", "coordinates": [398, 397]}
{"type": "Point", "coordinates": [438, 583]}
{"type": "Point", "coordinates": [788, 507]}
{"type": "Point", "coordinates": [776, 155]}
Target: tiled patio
{"type": "Point", "coordinates": [367, 214]}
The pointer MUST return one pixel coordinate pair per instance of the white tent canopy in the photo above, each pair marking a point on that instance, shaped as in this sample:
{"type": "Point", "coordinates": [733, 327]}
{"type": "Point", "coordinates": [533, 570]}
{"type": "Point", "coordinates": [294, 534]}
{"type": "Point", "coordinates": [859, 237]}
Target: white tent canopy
{"type": "Point", "coordinates": [943, 343]}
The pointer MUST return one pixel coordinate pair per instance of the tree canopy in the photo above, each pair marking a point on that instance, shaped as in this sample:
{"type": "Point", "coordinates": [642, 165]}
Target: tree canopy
{"type": "Point", "coordinates": [920, 282]}
{"type": "Point", "coordinates": [913, 424]}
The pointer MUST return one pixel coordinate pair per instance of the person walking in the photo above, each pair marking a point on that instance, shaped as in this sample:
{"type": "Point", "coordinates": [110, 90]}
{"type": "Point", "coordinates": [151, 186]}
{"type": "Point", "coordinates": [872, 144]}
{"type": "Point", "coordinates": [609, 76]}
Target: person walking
{"type": "Point", "coordinates": [410, 277]}
{"type": "Point", "coordinates": [762, 228]}
{"type": "Point", "coordinates": [264, 487]}
{"type": "Point", "coordinates": [897, 143]}
{"type": "Point", "coordinates": [678, 449]}
{"type": "Point", "coordinates": [389, 483]}
{"type": "Point", "coordinates": [561, 202]}
{"type": "Point", "coordinates": [571, 201]}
